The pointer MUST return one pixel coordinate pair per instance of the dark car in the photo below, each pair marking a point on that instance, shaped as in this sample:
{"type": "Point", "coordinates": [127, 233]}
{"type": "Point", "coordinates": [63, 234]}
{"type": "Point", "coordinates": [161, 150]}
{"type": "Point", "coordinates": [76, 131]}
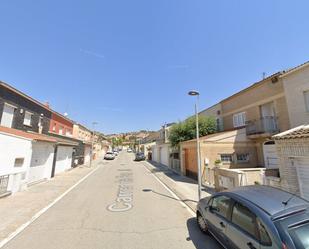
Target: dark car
{"type": "Point", "coordinates": [256, 216]}
{"type": "Point", "coordinates": [139, 156]}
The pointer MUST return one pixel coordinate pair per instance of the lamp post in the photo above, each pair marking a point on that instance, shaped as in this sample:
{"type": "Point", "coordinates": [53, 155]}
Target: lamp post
{"type": "Point", "coordinates": [91, 154]}
{"type": "Point", "coordinates": [197, 94]}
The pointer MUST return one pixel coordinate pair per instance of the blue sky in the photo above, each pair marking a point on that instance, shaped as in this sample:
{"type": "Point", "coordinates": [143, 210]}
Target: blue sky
{"type": "Point", "coordinates": [129, 64]}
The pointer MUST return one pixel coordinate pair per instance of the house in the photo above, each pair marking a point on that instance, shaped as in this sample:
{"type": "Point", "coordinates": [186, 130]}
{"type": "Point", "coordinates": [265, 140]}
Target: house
{"type": "Point", "coordinates": [61, 125]}
{"type": "Point", "coordinates": [85, 135]}
{"type": "Point", "coordinates": [247, 120]}
{"type": "Point", "coordinates": [21, 113]}
{"type": "Point", "coordinates": [162, 150]}
{"type": "Point", "coordinates": [293, 151]}
{"type": "Point", "coordinates": [148, 142]}
{"type": "Point", "coordinates": [28, 158]}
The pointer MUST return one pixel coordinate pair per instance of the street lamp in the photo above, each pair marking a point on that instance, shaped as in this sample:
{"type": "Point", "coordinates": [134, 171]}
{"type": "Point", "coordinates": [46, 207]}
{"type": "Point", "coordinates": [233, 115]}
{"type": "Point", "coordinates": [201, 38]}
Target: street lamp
{"type": "Point", "coordinates": [93, 124]}
{"type": "Point", "coordinates": [197, 94]}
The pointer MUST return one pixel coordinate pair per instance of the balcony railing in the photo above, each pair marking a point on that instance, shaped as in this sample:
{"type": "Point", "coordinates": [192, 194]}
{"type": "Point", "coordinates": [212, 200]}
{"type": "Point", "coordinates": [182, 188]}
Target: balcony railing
{"type": "Point", "coordinates": [261, 126]}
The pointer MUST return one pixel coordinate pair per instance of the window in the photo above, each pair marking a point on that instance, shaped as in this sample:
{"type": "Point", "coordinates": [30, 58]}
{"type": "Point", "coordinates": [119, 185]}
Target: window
{"type": "Point", "coordinates": [242, 158]}
{"type": "Point", "coordinates": [54, 126]}
{"type": "Point", "coordinates": [226, 158]}
{"type": "Point", "coordinates": [27, 118]}
{"type": "Point", "coordinates": [244, 219]}
{"type": "Point", "coordinates": [264, 236]}
{"type": "Point", "coordinates": [220, 205]}
{"type": "Point", "coordinates": [306, 96]}
{"type": "Point", "coordinates": [239, 119]}
{"type": "Point", "coordinates": [60, 130]}
{"type": "Point", "coordinates": [7, 115]}
{"type": "Point", "coordinates": [19, 162]}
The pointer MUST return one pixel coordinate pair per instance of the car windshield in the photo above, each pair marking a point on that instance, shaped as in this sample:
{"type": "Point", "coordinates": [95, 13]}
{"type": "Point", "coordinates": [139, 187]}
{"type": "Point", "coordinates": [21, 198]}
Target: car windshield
{"type": "Point", "coordinates": [300, 236]}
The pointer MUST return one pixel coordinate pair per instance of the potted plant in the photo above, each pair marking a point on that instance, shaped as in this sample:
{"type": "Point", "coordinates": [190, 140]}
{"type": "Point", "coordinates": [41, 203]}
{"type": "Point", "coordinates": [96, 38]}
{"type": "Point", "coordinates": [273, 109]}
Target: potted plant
{"type": "Point", "coordinates": [218, 163]}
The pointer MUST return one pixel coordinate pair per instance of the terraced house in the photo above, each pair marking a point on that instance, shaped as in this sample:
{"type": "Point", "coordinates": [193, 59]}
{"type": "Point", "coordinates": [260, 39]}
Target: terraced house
{"type": "Point", "coordinates": [243, 151]}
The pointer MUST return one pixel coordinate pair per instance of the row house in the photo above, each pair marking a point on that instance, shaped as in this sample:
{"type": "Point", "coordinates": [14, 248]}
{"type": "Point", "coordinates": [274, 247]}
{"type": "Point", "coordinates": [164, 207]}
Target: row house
{"type": "Point", "coordinates": [163, 152]}
{"type": "Point", "coordinates": [32, 154]}
{"type": "Point", "coordinates": [246, 122]}
{"type": "Point", "coordinates": [83, 134]}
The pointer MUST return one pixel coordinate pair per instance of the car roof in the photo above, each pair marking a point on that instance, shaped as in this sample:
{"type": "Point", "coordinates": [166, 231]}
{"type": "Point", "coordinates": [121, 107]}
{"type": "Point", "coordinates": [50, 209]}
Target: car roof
{"type": "Point", "coordinates": [269, 198]}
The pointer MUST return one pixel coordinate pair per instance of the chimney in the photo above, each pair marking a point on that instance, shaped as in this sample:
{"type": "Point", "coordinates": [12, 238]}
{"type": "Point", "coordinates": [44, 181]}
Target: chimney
{"type": "Point", "coordinates": [46, 104]}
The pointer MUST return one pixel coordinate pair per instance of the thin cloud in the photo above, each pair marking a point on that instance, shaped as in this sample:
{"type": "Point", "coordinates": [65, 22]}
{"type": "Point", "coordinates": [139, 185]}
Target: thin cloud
{"type": "Point", "coordinates": [92, 53]}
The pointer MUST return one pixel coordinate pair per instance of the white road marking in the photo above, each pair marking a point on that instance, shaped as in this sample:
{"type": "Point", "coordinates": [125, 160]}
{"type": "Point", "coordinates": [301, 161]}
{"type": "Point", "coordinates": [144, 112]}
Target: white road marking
{"type": "Point", "coordinates": [42, 211]}
{"type": "Point", "coordinates": [172, 193]}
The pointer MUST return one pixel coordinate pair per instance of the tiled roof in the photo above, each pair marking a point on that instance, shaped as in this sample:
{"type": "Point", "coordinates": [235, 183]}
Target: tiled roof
{"type": "Point", "coordinates": [297, 132]}
{"type": "Point", "coordinates": [27, 135]}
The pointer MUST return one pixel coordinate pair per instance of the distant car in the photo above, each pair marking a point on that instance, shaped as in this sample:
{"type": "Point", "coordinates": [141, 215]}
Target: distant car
{"type": "Point", "coordinates": [139, 156]}
{"type": "Point", "coordinates": [129, 150]}
{"type": "Point", "coordinates": [109, 156]}
{"type": "Point", "coordinates": [116, 153]}
{"type": "Point", "coordinates": [256, 217]}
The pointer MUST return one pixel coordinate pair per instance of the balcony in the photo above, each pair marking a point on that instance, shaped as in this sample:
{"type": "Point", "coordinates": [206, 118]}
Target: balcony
{"type": "Point", "coordinates": [263, 127]}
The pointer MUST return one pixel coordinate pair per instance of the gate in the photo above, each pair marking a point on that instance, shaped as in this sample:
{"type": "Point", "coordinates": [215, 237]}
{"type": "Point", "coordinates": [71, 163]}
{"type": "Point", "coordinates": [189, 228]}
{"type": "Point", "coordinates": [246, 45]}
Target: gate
{"type": "Point", "coordinates": [4, 180]}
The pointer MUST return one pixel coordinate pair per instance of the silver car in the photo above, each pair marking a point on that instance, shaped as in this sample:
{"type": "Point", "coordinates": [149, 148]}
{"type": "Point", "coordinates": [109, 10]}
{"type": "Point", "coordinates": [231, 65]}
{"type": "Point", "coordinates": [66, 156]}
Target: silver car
{"type": "Point", "coordinates": [256, 217]}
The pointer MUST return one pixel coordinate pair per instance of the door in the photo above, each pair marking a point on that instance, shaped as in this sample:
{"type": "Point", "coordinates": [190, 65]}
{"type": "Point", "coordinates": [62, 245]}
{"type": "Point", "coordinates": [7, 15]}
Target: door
{"type": "Point", "coordinates": [217, 217]}
{"type": "Point", "coordinates": [271, 159]}
{"type": "Point", "coordinates": [242, 231]}
{"type": "Point", "coordinates": [268, 110]}
{"type": "Point", "coordinates": [7, 115]}
{"type": "Point", "coordinates": [302, 166]}
{"type": "Point", "coordinates": [268, 117]}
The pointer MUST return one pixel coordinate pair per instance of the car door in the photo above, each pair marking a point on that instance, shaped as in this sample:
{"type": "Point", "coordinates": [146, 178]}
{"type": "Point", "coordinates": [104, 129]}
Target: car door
{"type": "Point", "coordinates": [242, 230]}
{"type": "Point", "coordinates": [217, 215]}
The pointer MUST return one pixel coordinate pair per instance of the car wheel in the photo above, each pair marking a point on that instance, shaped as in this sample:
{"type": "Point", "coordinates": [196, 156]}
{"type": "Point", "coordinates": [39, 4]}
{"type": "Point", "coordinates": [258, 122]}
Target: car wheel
{"type": "Point", "coordinates": [201, 223]}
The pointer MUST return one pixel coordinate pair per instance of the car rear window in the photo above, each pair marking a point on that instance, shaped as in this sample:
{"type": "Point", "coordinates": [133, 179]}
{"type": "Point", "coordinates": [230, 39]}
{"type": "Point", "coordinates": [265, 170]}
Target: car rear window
{"type": "Point", "coordinates": [300, 236]}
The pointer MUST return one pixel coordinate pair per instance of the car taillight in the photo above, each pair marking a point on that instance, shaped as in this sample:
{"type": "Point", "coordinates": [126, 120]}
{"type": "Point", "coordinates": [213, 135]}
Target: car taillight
{"type": "Point", "coordinates": [284, 246]}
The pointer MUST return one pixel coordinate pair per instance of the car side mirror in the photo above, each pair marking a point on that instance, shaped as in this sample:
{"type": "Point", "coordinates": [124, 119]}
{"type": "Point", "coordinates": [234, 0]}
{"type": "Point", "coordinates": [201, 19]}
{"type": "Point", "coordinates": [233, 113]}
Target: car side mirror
{"type": "Point", "coordinates": [213, 209]}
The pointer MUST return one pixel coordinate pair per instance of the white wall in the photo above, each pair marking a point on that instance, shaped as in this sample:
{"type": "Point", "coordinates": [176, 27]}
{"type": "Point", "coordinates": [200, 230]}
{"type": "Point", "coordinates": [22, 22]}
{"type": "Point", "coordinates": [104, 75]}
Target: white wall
{"type": "Point", "coordinates": [63, 159]}
{"type": "Point", "coordinates": [164, 156]}
{"type": "Point", "coordinates": [11, 148]}
{"type": "Point", "coordinates": [294, 86]}
{"type": "Point", "coordinates": [87, 154]}
{"type": "Point", "coordinates": [41, 161]}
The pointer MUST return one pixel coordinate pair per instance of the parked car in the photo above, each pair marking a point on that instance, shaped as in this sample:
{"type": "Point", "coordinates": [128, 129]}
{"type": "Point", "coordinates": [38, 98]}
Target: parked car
{"type": "Point", "coordinates": [129, 150]}
{"type": "Point", "coordinates": [139, 156]}
{"type": "Point", "coordinates": [116, 153]}
{"type": "Point", "coordinates": [109, 156]}
{"type": "Point", "coordinates": [256, 217]}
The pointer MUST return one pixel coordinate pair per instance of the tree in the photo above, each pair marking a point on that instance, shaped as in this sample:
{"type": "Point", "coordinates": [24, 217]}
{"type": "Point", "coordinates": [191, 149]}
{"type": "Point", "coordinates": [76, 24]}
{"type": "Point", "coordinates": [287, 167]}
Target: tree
{"type": "Point", "coordinates": [186, 130]}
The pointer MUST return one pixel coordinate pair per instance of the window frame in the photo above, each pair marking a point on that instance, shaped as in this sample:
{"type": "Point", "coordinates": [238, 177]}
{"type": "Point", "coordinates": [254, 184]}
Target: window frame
{"type": "Point", "coordinates": [30, 119]}
{"type": "Point", "coordinates": [226, 154]}
{"type": "Point", "coordinates": [256, 236]}
{"type": "Point", "coordinates": [237, 118]}
{"type": "Point", "coordinates": [228, 213]}
{"type": "Point", "coordinates": [242, 161]}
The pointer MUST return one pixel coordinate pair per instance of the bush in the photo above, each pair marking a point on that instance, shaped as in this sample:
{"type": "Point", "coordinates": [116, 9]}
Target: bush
{"type": "Point", "coordinates": [186, 130]}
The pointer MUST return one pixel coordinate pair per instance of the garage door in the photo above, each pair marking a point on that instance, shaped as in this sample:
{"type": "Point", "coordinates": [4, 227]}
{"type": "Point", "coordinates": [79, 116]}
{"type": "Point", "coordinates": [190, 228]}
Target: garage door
{"type": "Point", "coordinates": [87, 154]}
{"type": "Point", "coordinates": [64, 158]}
{"type": "Point", "coordinates": [164, 155]}
{"type": "Point", "coordinates": [303, 176]}
{"type": "Point", "coordinates": [271, 159]}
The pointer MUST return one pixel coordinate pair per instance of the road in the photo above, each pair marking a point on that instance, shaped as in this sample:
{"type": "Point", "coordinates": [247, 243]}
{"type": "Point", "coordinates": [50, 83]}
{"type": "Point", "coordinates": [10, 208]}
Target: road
{"type": "Point", "coordinates": [114, 209]}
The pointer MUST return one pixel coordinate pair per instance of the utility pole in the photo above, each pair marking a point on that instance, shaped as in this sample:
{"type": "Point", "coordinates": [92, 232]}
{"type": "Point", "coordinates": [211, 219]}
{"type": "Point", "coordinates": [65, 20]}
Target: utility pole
{"type": "Point", "coordinates": [92, 141]}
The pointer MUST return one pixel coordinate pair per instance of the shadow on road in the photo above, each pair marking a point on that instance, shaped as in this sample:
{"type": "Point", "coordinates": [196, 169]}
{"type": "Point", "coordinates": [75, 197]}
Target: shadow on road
{"type": "Point", "coordinates": [175, 176]}
{"type": "Point", "coordinates": [199, 239]}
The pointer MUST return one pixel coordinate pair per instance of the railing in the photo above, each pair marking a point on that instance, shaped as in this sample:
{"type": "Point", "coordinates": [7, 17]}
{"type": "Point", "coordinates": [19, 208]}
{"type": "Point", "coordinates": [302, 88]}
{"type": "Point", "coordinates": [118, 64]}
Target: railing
{"type": "Point", "coordinates": [4, 180]}
{"type": "Point", "coordinates": [262, 125]}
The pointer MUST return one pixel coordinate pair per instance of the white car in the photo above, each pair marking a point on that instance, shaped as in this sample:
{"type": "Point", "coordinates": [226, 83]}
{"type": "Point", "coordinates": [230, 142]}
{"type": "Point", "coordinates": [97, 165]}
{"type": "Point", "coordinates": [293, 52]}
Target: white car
{"type": "Point", "coordinates": [109, 156]}
{"type": "Point", "coordinates": [116, 153]}
{"type": "Point", "coordinates": [129, 150]}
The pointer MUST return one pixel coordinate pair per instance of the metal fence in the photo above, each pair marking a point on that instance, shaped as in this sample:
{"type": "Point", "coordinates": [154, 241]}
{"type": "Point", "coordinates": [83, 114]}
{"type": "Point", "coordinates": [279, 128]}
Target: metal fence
{"type": "Point", "coordinates": [4, 180]}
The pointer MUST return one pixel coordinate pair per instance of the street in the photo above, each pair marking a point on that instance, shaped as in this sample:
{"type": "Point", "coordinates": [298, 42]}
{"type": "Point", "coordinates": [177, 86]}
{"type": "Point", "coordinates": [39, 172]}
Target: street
{"type": "Point", "coordinates": [121, 205]}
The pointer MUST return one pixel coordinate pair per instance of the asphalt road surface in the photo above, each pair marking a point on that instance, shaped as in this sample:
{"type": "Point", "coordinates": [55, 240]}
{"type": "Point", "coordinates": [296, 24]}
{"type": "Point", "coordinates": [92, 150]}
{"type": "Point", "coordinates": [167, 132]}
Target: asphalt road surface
{"type": "Point", "coordinates": [121, 205]}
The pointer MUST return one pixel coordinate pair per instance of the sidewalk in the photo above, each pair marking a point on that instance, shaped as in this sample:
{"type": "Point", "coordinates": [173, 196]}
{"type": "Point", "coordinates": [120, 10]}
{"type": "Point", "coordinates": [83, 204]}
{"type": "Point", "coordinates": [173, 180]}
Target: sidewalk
{"type": "Point", "coordinates": [17, 209]}
{"type": "Point", "coordinates": [184, 187]}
